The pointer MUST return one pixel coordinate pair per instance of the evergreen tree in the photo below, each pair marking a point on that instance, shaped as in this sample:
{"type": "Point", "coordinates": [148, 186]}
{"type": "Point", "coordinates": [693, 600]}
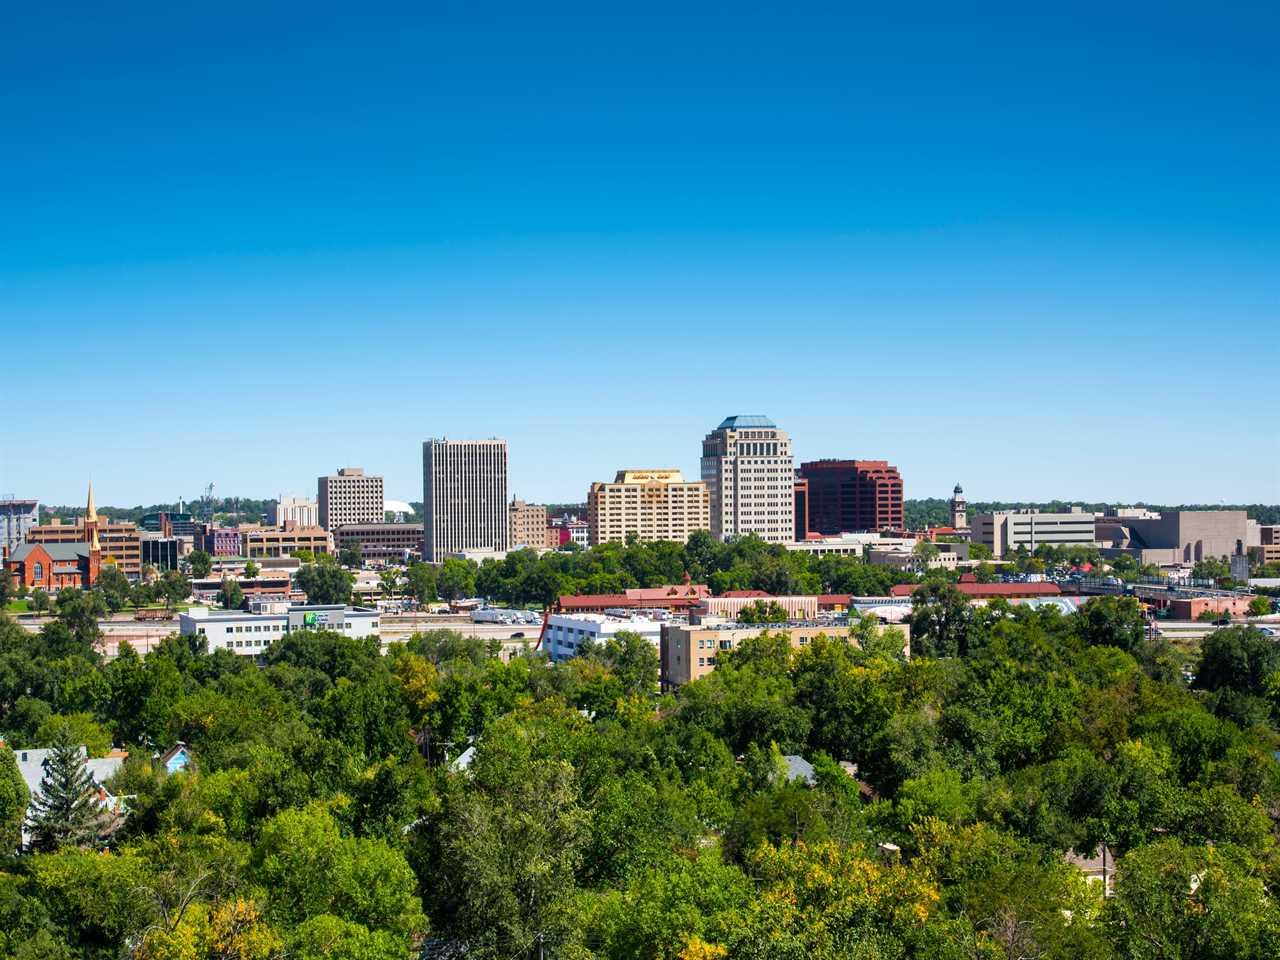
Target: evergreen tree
{"type": "Point", "coordinates": [65, 812]}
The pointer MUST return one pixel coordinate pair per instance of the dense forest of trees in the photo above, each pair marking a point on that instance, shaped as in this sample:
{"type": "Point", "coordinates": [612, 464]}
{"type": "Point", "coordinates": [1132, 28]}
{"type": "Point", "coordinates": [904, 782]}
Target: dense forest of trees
{"type": "Point", "coordinates": [331, 810]}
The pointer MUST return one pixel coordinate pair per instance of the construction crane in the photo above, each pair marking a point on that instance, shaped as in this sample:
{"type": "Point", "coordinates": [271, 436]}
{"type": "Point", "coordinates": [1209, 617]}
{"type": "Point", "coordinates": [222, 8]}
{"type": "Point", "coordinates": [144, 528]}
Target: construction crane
{"type": "Point", "coordinates": [208, 503]}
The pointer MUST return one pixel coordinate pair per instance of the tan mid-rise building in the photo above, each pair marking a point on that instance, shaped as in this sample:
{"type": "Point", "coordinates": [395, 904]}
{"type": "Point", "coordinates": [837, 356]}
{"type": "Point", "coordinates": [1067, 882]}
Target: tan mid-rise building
{"type": "Point", "coordinates": [528, 525]}
{"type": "Point", "coordinates": [266, 542]}
{"type": "Point", "coordinates": [690, 651]}
{"type": "Point", "coordinates": [349, 496]}
{"type": "Point", "coordinates": [647, 504]}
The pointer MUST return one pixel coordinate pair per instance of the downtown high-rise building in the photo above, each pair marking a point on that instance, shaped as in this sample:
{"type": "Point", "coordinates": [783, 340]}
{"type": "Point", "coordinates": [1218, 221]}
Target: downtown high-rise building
{"type": "Point", "coordinates": [648, 504]}
{"type": "Point", "coordinates": [349, 496]}
{"type": "Point", "coordinates": [750, 475]}
{"type": "Point", "coordinates": [464, 497]}
{"type": "Point", "coordinates": [852, 496]}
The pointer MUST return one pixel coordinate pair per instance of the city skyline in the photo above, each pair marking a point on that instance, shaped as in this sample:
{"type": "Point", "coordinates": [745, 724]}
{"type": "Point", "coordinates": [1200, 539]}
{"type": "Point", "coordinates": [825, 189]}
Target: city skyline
{"type": "Point", "coordinates": [395, 489]}
{"type": "Point", "coordinates": [1035, 254]}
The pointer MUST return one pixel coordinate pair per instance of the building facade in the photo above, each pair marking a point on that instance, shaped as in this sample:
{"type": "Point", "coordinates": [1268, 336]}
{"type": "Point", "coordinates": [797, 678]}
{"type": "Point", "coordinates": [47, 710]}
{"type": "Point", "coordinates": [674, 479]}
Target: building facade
{"type": "Point", "coordinates": [118, 543]}
{"type": "Point", "coordinates": [250, 634]}
{"type": "Point", "coordinates": [16, 518]}
{"type": "Point", "coordinates": [51, 566]}
{"type": "Point", "coordinates": [1008, 530]}
{"type": "Point", "coordinates": [848, 496]}
{"type": "Point", "coordinates": [393, 542]}
{"type": "Point", "coordinates": [690, 651]}
{"type": "Point", "coordinates": [801, 495]}
{"type": "Point", "coordinates": [271, 585]}
{"type": "Point", "coordinates": [464, 497]}
{"type": "Point", "coordinates": [562, 531]}
{"type": "Point", "coordinates": [565, 633]}
{"type": "Point", "coordinates": [648, 504]}
{"type": "Point", "coordinates": [266, 542]}
{"type": "Point", "coordinates": [528, 522]}
{"type": "Point", "coordinates": [1177, 536]}
{"type": "Point", "coordinates": [57, 555]}
{"type": "Point", "coordinates": [750, 476]}
{"type": "Point", "coordinates": [161, 552]}
{"type": "Point", "coordinates": [169, 524]}
{"type": "Point", "coordinates": [218, 541]}
{"type": "Point", "coordinates": [1268, 548]}
{"type": "Point", "coordinates": [349, 496]}
{"type": "Point", "coordinates": [298, 512]}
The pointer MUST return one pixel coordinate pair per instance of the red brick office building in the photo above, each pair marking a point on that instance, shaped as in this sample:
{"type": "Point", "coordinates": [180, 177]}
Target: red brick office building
{"type": "Point", "coordinates": [848, 496]}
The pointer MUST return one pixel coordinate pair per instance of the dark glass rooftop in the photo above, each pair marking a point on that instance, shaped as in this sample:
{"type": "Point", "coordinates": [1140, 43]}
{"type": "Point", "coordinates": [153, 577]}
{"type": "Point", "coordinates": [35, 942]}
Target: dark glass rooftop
{"type": "Point", "coordinates": [743, 421]}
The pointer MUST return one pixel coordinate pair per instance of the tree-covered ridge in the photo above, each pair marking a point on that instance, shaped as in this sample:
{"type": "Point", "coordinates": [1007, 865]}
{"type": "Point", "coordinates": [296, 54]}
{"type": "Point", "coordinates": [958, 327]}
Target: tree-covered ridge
{"type": "Point", "coordinates": [345, 803]}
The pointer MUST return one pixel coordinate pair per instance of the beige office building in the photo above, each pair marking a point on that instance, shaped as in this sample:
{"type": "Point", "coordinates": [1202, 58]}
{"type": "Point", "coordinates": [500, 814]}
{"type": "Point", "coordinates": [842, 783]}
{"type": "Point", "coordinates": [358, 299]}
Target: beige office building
{"type": "Point", "coordinates": [690, 651]}
{"type": "Point", "coordinates": [267, 542]}
{"type": "Point", "coordinates": [295, 512]}
{"type": "Point", "coordinates": [650, 504]}
{"type": "Point", "coordinates": [528, 525]}
{"type": "Point", "coordinates": [464, 498]}
{"type": "Point", "coordinates": [750, 475]}
{"type": "Point", "coordinates": [349, 496]}
{"type": "Point", "coordinates": [1008, 530]}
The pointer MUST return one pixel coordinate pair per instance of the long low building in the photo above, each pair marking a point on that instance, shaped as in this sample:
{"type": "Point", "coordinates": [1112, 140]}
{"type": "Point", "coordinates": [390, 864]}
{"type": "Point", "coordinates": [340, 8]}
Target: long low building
{"type": "Point", "coordinates": [673, 597]}
{"type": "Point", "coordinates": [1009, 530]}
{"type": "Point", "coordinates": [265, 542]}
{"type": "Point", "coordinates": [251, 633]}
{"type": "Point", "coordinates": [691, 651]}
{"type": "Point", "coordinates": [271, 583]}
{"type": "Point", "coordinates": [564, 634]}
{"type": "Point", "coordinates": [382, 541]}
{"type": "Point", "coordinates": [797, 608]}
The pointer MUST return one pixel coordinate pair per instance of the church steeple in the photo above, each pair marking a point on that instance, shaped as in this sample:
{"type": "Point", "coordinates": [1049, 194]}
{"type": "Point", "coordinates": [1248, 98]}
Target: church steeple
{"type": "Point", "coordinates": [91, 522]}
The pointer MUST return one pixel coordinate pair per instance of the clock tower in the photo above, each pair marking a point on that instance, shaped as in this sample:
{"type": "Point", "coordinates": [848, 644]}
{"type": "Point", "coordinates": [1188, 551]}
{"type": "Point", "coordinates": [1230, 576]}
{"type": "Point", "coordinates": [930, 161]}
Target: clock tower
{"type": "Point", "coordinates": [959, 509]}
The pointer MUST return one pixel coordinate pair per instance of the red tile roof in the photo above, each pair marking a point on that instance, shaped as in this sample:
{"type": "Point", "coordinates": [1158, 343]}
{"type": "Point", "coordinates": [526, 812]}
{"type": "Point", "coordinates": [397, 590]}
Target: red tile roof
{"type": "Point", "coordinates": [745, 593]}
{"type": "Point", "coordinates": [673, 596]}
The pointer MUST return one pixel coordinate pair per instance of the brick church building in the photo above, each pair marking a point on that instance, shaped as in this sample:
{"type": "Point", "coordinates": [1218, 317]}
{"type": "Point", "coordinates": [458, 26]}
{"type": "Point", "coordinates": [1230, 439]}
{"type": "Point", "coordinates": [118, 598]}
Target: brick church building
{"type": "Point", "coordinates": [52, 566]}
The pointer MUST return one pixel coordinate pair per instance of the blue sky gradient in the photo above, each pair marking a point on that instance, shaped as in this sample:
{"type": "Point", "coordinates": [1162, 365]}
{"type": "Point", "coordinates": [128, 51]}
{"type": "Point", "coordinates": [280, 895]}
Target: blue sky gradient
{"type": "Point", "coordinates": [1035, 252]}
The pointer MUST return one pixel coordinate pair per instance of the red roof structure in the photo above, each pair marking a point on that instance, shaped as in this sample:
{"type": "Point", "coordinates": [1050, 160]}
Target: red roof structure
{"type": "Point", "coordinates": [678, 596]}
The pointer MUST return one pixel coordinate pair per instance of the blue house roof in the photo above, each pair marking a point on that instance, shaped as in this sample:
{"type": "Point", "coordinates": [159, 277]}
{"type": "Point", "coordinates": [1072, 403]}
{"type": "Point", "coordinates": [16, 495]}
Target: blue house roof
{"type": "Point", "coordinates": [742, 421]}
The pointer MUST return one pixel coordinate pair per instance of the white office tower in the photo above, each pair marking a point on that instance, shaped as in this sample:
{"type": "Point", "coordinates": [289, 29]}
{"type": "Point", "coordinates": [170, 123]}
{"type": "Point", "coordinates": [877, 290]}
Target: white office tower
{"type": "Point", "coordinates": [464, 497]}
{"type": "Point", "coordinates": [750, 473]}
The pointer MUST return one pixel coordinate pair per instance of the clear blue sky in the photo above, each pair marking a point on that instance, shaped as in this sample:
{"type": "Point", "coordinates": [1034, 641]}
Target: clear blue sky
{"type": "Point", "coordinates": [1034, 251]}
